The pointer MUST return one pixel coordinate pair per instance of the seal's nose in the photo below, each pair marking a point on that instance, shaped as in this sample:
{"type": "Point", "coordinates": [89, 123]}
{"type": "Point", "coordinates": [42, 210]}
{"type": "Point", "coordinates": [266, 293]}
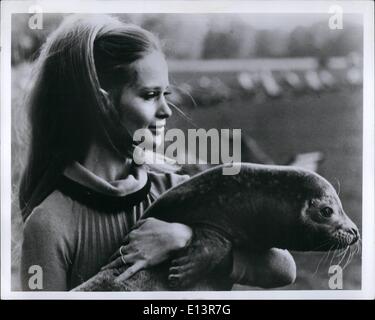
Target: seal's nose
{"type": "Point", "coordinates": [355, 233]}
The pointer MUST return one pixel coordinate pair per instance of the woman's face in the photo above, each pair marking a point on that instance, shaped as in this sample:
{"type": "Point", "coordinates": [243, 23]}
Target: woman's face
{"type": "Point", "coordinates": [143, 103]}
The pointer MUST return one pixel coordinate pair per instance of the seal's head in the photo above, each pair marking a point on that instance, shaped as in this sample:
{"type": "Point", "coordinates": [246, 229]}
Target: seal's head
{"type": "Point", "coordinates": [325, 224]}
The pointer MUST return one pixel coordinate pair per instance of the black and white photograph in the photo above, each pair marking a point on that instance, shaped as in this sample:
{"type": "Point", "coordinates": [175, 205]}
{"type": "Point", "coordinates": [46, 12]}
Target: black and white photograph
{"type": "Point", "coordinates": [187, 149]}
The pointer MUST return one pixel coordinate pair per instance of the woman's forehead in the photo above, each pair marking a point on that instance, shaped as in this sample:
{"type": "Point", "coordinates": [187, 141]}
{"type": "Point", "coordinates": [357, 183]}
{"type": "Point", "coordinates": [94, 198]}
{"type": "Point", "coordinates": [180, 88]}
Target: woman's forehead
{"type": "Point", "coordinates": [152, 70]}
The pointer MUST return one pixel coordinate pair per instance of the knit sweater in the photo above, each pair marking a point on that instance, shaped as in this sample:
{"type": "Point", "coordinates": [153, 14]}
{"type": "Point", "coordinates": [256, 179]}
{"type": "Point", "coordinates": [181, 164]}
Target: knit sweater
{"type": "Point", "coordinates": [76, 229]}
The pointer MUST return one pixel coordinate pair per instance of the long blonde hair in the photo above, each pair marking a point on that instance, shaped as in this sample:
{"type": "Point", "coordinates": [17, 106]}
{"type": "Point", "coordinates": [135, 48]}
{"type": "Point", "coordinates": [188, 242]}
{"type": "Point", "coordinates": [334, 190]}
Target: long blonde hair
{"type": "Point", "coordinates": [67, 109]}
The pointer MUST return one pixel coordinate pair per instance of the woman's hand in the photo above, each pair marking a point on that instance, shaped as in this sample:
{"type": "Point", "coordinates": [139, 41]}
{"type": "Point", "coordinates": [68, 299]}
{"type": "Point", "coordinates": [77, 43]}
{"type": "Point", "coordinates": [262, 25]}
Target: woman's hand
{"type": "Point", "coordinates": [149, 243]}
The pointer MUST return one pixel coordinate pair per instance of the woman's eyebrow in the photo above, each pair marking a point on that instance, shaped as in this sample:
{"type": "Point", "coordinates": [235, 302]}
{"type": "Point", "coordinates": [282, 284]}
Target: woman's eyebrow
{"type": "Point", "coordinates": [155, 88]}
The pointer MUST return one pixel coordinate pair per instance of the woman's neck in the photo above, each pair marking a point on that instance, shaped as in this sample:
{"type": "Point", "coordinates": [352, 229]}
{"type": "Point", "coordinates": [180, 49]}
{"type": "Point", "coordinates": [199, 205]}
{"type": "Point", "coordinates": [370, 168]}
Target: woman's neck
{"type": "Point", "coordinates": [106, 164]}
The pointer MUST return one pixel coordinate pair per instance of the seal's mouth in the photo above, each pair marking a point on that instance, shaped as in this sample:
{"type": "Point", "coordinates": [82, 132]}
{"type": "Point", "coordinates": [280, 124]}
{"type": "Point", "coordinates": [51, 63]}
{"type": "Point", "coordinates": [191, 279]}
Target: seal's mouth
{"type": "Point", "coordinates": [341, 239]}
{"type": "Point", "coordinates": [346, 238]}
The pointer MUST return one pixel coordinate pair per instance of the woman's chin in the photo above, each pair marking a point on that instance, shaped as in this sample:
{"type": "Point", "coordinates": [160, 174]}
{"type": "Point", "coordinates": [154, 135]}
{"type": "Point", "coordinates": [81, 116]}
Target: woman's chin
{"type": "Point", "coordinates": [157, 140]}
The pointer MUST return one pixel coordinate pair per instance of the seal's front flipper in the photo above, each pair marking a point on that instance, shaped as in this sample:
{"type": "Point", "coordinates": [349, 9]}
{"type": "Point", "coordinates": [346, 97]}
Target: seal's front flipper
{"type": "Point", "coordinates": [208, 252]}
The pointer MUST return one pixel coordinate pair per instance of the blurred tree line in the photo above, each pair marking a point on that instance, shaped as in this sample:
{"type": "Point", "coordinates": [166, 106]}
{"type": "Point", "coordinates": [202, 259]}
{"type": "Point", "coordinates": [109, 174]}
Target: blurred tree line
{"type": "Point", "coordinates": [215, 36]}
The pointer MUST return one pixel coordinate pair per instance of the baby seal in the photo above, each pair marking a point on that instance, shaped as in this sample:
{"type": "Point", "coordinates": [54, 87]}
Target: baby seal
{"type": "Point", "coordinates": [262, 207]}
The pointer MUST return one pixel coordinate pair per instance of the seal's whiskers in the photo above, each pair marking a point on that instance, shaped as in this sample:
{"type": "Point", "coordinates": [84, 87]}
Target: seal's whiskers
{"type": "Point", "coordinates": [342, 252]}
{"type": "Point", "coordinates": [320, 261]}
{"type": "Point", "coordinates": [345, 251]}
{"type": "Point", "coordinates": [333, 254]}
{"type": "Point", "coordinates": [328, 253]}
{"type": "Point", "coordinates": [324, 257]}
{"type": "Point", "coordinates": [320, 246]}
{"type": "Point", "coordinates": [338, 186]}
{"type": "Point", "coordinates": [353, 253]}
{"type": "Point", "coordinates": [350, 257]}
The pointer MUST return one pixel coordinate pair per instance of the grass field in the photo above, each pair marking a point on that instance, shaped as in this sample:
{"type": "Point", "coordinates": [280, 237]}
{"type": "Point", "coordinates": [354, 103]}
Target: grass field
{"type": "Point", "coordinates": [330, 122]}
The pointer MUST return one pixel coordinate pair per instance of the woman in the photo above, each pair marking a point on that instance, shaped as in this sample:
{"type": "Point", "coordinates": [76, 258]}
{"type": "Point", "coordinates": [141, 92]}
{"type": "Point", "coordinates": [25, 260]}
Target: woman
{"type": "Point", "coordinates": [99, 80]}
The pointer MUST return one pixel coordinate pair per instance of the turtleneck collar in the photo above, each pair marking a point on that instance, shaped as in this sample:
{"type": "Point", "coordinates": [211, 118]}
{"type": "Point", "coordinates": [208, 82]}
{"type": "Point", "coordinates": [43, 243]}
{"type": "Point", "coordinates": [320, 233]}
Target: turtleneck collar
{"type": "Point", "coordinates": [135, 180]}
{"type": "Point", "coordinates": [84, 186]}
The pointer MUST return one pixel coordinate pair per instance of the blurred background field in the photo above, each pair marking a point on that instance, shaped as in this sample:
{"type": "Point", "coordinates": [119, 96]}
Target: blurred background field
{"type": "Point", "coordinates": [290, 83]}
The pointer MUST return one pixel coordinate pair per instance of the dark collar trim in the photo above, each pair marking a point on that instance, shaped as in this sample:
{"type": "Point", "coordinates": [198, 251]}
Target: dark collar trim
{"type": "Point", "coordinates": [100, 201]}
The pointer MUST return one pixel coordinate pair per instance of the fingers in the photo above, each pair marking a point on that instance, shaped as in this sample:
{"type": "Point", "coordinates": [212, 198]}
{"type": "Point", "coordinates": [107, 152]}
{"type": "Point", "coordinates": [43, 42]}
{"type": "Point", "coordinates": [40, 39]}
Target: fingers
{"type": "Point", "coordinates": [177, 270]}
{"type": "Point", "coordinates": [179, 275]}
{"type": "Point", "coordinates": [120, 261]}
{"type": "Point", "coordinates": [180, 261]}
{"type": "Point", "coordinates": [113, 264]}
{"type": "Point", "coordinates": [132, 231]}
{"type": "Point", "coordinates": [130, 234]}
{"type": "Point", "coordinates": [126, 239]}
{"type": "Point", "coordinates": [124, 249]}
{"type": "Point", "coordinates": [134, 227]}
{"type": "Point", "coordinates": [130, 271]}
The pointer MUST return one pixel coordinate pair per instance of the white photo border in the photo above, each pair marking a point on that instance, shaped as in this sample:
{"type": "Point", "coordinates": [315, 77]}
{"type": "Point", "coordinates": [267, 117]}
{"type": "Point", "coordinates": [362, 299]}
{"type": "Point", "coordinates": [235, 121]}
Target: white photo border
{"type": "Point", "coordinates": [365, 8]}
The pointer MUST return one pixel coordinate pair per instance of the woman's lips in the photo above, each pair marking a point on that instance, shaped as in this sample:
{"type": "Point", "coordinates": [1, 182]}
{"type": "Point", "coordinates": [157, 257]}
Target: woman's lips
{"type": "Point", "coordinates": [156, 129]}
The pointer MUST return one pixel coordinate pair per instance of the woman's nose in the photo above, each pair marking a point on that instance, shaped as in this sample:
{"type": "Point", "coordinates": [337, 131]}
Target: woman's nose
{"type": "Point", "coordinates": [164, 111]}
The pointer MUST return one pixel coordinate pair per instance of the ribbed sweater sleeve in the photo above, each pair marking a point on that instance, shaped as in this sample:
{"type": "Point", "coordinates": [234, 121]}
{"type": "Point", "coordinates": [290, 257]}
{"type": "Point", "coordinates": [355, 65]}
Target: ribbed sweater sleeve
{"type": "Point", "coordinates": [45, 252]}
{"type": "Point", "coordinates": [70, 241]}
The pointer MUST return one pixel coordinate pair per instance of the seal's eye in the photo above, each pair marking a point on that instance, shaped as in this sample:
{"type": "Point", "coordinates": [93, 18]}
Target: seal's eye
{"type": "Point", "coordinates": [326, 212]}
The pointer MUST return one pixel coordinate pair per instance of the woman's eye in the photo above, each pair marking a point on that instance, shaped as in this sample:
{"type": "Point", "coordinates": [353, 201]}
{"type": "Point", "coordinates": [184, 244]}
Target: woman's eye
{"type": "Point", "coordinates": [154, 94]}
{"type": "Point", "coordinates": [326, 212]}
{"type": "Point", "coordinates": [150, 95]}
